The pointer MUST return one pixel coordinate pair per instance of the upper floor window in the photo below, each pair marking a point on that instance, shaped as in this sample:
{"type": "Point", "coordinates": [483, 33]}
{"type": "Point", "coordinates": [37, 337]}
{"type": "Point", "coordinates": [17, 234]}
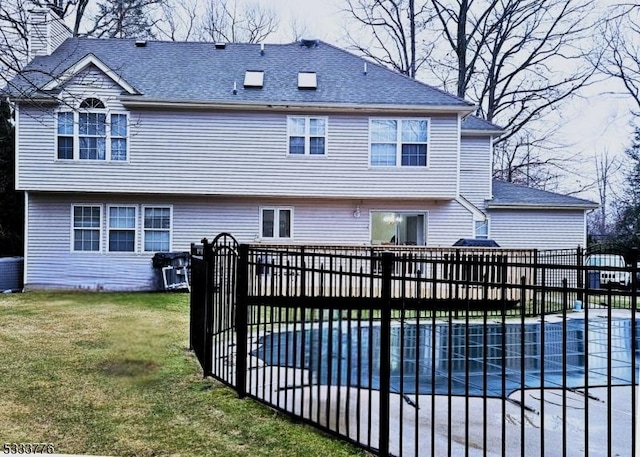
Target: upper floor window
{"type": "Point", "coordinates": [399, 142]}
{"type": "Point", "coordinates": [307, 135]}
{"type": "Point", "coordinates": [92, 133]}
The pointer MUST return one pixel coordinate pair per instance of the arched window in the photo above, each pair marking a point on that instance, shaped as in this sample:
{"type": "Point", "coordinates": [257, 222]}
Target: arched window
{"type": "Point", "coordinates": [92, 133]}
{"type": "Point", "coordinates": [92, 103]}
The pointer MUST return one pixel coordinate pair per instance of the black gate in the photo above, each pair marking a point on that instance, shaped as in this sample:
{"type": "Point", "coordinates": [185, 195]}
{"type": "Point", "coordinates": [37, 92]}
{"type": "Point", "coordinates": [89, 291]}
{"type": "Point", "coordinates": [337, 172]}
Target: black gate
{"type": "Point", "coordinates": [213, 271]}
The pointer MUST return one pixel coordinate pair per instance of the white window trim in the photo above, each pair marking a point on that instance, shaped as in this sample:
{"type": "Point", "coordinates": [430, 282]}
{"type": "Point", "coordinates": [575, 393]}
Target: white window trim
{"type": "Point", "coordinates": [108, 229]}
{"type": "Point", "coordinates": [401, 212]}
{"type": "Point", "coordinates": [475, 233]}
{"type": "Point", "coordinates": [73, 228]}
{"type": "Point", "coordinates": [399, 142]}
{"type": "Point", "coordinates": [307, 136]}
{"type": "Point", "coordinates": [76, 135]}
{"type": "Point", "coordinates": [276, 222]}
{"type": "Point", "coordinates": [143, 229]}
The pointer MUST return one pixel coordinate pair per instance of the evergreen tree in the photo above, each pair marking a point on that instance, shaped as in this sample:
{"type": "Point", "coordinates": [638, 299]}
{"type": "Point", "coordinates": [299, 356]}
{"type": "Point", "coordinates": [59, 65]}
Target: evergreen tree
{"type": "Point", "coordinates": [11, 201]}
{"type": "Point", "coordinates": [627, 227]}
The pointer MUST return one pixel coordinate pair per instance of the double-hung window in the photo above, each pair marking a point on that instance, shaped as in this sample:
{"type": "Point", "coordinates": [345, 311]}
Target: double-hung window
{"type": "Point", "coordinates": [307, 135]}
{"type": "Point", "coordinates": [482, 229]}
{"type": "Point", "coordinates": [399, 142]}
{"type": "Point", "coordinates": [122, 228]}
{"type": "Point", "coordinates": [157, 229]}
{"type": "Point", "coordinates": [87, 221]}
{"type": "Point", "coordinates": [92, 133]}
{"type": "Point", "coordinates": [275, 223]}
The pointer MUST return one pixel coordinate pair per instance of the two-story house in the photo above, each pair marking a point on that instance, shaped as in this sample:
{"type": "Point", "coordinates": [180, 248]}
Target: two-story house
{"type": "Point", "coordinates": [126, 148]}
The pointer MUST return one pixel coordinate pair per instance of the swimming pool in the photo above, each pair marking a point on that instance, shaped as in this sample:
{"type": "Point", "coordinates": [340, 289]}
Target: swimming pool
{"type": "Point", "coordinates": [461, 359]}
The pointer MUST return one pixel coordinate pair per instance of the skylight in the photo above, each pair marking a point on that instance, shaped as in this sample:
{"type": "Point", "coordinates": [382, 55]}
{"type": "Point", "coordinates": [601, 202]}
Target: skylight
{"type": "Point", "coordinates": [307, 80]}
{"type": "Point", "coordinates": [253, 78]}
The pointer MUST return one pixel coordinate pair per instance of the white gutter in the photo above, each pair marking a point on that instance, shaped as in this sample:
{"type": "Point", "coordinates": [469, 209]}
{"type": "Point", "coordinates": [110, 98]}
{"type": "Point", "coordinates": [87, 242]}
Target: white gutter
{"type": "Point", "coordinates": [137, 102]}
{"type": "Point", "coordinates": [583, 206]}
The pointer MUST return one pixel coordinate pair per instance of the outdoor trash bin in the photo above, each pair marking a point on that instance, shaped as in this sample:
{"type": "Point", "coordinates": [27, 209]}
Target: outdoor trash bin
{"type": "Point", "coordinates": [173, 268]}
{"type": "Point", "coordinates": [594, 280]}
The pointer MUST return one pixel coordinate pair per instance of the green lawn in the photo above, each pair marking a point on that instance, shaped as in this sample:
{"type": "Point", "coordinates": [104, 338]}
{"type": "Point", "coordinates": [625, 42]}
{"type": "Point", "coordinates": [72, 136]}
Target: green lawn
{"type": "Point", "coordinates": [110, 374]}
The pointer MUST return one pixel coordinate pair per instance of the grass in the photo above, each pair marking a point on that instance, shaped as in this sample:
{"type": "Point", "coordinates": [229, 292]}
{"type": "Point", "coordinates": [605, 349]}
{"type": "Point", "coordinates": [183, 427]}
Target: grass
{"type": "Point", "coordinates": [110, 374]}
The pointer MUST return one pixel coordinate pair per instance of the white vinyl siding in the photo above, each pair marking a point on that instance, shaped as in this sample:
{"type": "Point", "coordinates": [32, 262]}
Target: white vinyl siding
{"type": "Point", "coordinates": [475, 169]}
{"type": "Point", "coordinates": [50, 262]}
{"type": "Point", "coordinates": [540, 229]}
{"type": "Point", "coordinates": [236, 154]}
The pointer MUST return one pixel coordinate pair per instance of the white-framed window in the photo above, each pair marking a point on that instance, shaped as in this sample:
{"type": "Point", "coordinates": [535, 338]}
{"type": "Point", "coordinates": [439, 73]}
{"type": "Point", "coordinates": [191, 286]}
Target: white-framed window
{"type": "Point", "coordinates": [307, 135]}
{"type": "Point", "coordinates": [121, 226]}
{"type": "Point", "coordinates": [276, 223]}
{"type": "Point", "coordinates": [86, 223]}
{"type": "Point", "coordinates": [91, 133]}
{"type": "Point", "coordinates": [157, 228]}
{"type": "Point", "coordinates": [404, 228]}
{"type": "Point", "coordinates": [398, 142]}
{"type": "Point", "coordinates": [482, 229]}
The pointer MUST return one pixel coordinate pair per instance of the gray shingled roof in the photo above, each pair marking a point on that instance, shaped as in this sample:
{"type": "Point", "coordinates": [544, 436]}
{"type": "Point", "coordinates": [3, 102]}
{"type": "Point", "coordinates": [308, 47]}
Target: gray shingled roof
{"type": "Point", "coordinates": [191, 71]}
{"type": "Point", "coordinates": [515, 195]}
{"type": "Point", "coordinates": [480, 125]}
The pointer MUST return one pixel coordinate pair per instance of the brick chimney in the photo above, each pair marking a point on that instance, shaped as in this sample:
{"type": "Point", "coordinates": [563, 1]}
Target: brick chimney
{"type": "Point", "coordinates": [47, 31]}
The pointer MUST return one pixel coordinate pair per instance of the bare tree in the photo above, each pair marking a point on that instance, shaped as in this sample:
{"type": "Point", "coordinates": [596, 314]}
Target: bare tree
{"type": "Point", "coordinates": [177, 21]}
{"type": "Point", "coordinates": [619, 48]}
{"type": "Point", "coordinates": [397, 32]}
{"type": "Point", "coordinates": [518, 60]}
{"type": "Point", "coordinates": [226, 21]}
{"type": "Point", "coordinates": [297, 29]}
{"type": "Point", "coordinates": [607, 168]}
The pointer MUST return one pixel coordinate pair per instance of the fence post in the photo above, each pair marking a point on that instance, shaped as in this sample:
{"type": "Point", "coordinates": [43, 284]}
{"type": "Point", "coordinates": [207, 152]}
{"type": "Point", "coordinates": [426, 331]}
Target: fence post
{"type": "Point", "coordinates": [535, 282]}
{"type": "Point", "coordinates": [207, 256]}
{"type": "Point", "coordinates": [385, 353]}
{"type": "Point", "coordinates": [241, 320]}
{"type": "Point", "coordinates": [580, 271]}
{"type": "Point", "coordinates": [635, 273]}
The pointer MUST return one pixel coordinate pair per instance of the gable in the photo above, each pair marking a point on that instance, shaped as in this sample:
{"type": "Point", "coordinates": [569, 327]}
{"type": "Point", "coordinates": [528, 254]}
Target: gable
{"type": "Point", "coordinates": [89, 61]}
{"type": "Point", "coordinates": [91, 82]}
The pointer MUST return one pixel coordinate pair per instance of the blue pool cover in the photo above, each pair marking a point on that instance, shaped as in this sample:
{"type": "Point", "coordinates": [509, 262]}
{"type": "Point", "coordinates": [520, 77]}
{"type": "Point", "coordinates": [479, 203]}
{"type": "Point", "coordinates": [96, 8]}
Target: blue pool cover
{"type": "Point", "coordinates": [460, 359]}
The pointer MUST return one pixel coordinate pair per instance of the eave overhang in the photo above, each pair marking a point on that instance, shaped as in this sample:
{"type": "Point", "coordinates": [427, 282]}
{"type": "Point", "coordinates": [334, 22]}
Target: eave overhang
{"type": "Point", "coordinates": [137, 102]}
{"type": "Point", "coordinates": [492, 133]}
{"type": "Point", "coordinates": [585, 206]}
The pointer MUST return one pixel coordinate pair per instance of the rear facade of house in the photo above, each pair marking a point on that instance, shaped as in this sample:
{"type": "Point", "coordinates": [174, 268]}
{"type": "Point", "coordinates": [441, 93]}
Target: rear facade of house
{"type": "Point", "coordinates": [127, 148]}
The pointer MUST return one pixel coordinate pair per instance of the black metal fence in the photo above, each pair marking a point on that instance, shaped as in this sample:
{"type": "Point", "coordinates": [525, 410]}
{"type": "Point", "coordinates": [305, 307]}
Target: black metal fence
{"type": "Point", "coordinates": [426, 351]}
